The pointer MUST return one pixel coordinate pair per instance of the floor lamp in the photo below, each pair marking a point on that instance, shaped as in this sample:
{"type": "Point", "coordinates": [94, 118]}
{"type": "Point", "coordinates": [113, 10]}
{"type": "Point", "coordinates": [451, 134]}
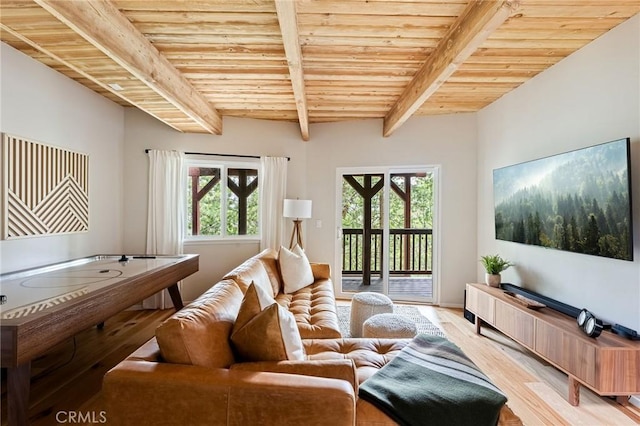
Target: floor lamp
{"type": "Point", "coordinates": [298, 210]}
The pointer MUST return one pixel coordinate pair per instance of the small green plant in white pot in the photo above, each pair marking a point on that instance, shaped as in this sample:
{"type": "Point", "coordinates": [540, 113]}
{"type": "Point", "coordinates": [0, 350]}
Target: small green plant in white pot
{"type": "Point", "coordinates": [494, 265]}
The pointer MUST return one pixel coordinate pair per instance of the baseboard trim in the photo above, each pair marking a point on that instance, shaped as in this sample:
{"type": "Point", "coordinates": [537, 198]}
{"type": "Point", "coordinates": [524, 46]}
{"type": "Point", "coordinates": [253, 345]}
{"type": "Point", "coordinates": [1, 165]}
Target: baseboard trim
{"type": "Point", "coordinates": [451, 305]}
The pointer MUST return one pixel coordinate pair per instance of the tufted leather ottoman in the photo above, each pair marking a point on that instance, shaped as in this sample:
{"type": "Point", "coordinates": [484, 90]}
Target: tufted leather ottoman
{"type": "Point", "coordinates": [389, 326]}
{"type": "Point", "coordinates": [365, 305]}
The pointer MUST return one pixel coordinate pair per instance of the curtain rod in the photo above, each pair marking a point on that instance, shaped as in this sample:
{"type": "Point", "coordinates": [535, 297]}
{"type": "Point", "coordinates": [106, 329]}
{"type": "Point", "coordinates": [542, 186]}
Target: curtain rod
{"type": "Point", "coordinates": [146, 151]}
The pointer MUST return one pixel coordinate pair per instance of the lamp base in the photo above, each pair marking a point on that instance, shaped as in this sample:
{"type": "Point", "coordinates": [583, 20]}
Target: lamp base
{"type": "Point", "coordinates": [296, 234]}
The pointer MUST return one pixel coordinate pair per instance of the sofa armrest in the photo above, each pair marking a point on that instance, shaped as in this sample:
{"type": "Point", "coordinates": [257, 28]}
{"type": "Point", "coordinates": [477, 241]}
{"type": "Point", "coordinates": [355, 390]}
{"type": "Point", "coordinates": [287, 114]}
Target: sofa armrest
{"type": "Point", "coordinates": [321, 271]}
{"type": "Point", "coordinates": [150, 393]}
{"type": "Point", "coordinates": [342, 369]}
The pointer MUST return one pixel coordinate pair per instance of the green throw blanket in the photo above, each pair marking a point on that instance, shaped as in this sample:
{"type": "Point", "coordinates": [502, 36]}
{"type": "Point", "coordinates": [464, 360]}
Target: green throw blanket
{"type": "Point", "coordinates": [431, 382]}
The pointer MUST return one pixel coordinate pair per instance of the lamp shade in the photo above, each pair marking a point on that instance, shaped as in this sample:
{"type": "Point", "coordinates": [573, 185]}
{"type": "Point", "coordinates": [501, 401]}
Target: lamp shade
{"type": "Point", "coordinates": [299, 209]}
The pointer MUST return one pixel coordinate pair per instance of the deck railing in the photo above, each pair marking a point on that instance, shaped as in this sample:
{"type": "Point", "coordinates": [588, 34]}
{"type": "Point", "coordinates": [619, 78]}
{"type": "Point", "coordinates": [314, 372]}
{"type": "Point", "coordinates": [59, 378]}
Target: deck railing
{"type": "Point", "coordinates": [410, 251]}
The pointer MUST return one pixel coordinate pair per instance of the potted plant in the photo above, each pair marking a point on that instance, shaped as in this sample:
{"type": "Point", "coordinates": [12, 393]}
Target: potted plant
{"type": "Point", "coordinates": [494, 265]}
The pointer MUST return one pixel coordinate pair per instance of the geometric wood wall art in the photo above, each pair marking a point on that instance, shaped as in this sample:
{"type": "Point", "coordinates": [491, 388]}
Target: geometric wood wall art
{"type": "Point", "coordinates": [45, 189]}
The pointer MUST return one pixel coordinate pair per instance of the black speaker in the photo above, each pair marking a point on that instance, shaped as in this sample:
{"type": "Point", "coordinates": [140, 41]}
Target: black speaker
{"type": "Point", "coordinates": [470, 316]}
{"type": "Point", "coordinates": [588, 323]}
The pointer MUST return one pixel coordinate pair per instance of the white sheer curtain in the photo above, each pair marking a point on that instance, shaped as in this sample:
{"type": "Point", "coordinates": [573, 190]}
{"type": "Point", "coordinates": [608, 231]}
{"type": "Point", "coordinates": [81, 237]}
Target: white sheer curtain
{"type": "Point", "coordinates": [272, 192]}
{"type": "Point", "coordinates": [165, 224]}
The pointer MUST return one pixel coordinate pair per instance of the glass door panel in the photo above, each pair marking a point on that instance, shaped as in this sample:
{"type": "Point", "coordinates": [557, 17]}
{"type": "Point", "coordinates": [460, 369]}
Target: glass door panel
{"type": "Point", "coordinates": [411, 207]}
{"type": "Point", "coordinates": [361, 225]}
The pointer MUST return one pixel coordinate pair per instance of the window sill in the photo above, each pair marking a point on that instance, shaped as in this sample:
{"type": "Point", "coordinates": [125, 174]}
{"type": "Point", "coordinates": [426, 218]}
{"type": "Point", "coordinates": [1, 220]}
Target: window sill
{"type": "Point", "coordinates": [214, 241]}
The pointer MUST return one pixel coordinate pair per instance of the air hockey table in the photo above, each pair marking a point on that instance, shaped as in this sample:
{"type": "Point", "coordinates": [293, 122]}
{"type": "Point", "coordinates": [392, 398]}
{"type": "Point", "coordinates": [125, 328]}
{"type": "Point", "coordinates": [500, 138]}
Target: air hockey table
{"type": "Point", "coordinates": [44, 306]}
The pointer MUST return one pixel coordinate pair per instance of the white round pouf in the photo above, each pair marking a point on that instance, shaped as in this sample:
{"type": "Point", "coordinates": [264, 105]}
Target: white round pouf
{"type": "Point", "coordinates": [389, 326]}
{"type": "Point", "coordinates": [365, 305]}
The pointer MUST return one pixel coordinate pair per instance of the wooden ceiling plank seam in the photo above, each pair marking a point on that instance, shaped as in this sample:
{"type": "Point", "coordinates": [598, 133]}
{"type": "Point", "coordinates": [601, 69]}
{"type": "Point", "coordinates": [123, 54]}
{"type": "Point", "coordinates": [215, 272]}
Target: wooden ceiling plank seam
{"type": "Point", "coordinates": [197, 39]}
{"type": "Point", "coordinates": [197, 5]}
{"type": "Point", "coordinates": [470, 30]}
{"type": "Point", "coordinates": [104, 26]}
{"type": "Point", "coordinates": [192, 17]}
{"type": "Point", "coordinates": [287, 18]}
{"type": "Point", "coordinates": [441, 8]}
{"type": "Point", "coordinates": [81, 72]}
{"type": "Point", "coordinates": [402, 21]}
{"type": "Point", "coordinates": [208, 28]}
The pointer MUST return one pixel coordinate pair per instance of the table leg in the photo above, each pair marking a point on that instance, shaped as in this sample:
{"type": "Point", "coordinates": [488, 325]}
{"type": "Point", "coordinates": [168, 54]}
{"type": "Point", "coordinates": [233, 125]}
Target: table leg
{"type": "Point", "coordinates": [478, 324]}
{"type": "Point", "coordinates": [18, 384]}
{"type": "Point", "coordinates": [174, 292]}
{"type": "Point", "coordinates": [574, 391]}
{"type": "Point", "coordinates": [622, 400]}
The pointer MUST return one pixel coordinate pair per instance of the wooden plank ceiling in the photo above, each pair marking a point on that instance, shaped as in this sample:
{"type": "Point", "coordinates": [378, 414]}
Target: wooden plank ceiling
{"type": "Point", "coordinates": [189, 63]}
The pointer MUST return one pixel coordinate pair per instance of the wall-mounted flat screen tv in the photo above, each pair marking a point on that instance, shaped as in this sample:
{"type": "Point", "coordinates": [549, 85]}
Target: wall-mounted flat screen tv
{"type": "Point", "coordinates": [579, 201]}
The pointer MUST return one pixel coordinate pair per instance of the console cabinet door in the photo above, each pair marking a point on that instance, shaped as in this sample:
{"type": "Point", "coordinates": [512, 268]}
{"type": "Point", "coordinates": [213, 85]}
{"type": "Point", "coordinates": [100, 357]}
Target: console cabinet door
{"type": "Point", "coordinates": [515, 323]}
{"type": "Point", "coordinates": [572, 353]}
{"type": "Point", "coordinates": [481, 304]}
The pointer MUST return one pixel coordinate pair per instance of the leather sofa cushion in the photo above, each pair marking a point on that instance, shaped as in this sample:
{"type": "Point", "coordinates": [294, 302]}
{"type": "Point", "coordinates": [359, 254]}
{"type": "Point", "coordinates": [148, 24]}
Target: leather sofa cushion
{"type": "Point", "coordinates": [250, 271]}
{"type": "Point", "coordinates": [147, 394]}
{"type": "Point", "coordinates": [368, 414]}
{"type": "Point", "coordinates": [369, 355]}
{"type": "Point", "coordinates": [343, 369]}
{"type": "Point", "coordinates": [292, 400]}
{"type": "Point", "coordinates": [314, 308]}
{"type": "Point", "coordinates": [321, 271]}
{"type": "Point", "coordinates": [199, 333]}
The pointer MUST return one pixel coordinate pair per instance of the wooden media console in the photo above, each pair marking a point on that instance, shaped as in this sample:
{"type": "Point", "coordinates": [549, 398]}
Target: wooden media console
{"type": "Point", "coordinates": [608, 365]}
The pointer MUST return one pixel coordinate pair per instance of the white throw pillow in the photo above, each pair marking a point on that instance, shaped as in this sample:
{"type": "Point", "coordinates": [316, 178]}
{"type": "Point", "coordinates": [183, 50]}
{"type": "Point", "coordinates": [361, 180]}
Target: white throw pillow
{"type": "Point", "coordinates": [295, 269]}
{"type": "Point", "coordinates": [290, 334]}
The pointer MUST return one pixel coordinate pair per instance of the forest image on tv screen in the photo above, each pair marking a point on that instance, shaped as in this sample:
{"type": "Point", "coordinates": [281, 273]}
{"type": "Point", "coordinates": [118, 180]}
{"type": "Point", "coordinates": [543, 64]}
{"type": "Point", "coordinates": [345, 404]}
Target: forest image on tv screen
{"type": "Point", "coordinates": [579, 201]}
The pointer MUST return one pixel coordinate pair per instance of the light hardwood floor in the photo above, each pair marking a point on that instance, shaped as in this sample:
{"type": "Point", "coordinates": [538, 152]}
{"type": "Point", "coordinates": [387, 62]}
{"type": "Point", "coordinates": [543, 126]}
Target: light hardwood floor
{"type": "Point", "coordinates": [69, 377]}
{"type": "Point", "coordinates": [536, 390]}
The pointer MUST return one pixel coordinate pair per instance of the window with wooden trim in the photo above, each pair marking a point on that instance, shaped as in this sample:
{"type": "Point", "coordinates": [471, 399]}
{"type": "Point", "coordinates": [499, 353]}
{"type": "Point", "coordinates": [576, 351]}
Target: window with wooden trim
{"type": "Point", "coordinates": [222, 200]}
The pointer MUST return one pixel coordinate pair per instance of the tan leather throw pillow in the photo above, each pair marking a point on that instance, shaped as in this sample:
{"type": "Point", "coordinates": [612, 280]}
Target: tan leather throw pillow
{"type": "Point", "coordinates": [271, 335]}
{"type": "Point", "coordinates": [295, 269]}
{"type": "Point", "coordinates": [255, 301]}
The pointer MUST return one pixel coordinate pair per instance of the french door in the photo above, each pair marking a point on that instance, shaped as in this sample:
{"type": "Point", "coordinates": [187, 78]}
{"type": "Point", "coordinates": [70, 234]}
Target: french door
{"type": "Point", "coordinates": [387, 232]}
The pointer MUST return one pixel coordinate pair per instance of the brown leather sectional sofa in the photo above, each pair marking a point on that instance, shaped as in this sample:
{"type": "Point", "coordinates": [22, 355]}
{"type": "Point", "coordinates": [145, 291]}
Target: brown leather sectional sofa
{"type": "Point", "coordinates": [188, 374]}
{"type": "Point", "coordinates": [195, 380]}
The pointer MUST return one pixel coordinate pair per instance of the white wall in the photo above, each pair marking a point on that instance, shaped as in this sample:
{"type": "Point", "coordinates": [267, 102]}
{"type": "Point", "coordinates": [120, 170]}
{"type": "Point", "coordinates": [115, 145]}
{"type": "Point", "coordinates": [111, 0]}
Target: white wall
{"type": "Point", "coordinates": [240, 136]}
{"type": "Point", "coordinates": [41, 104]}
{"type": "Point", "coordinates": [591, 97]}
{"type": "Point", "coordinates": [448, 141]}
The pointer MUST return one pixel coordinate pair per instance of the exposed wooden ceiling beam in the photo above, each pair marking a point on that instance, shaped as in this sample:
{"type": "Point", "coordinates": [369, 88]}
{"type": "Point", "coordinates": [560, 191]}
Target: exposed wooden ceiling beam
{"type": "Point", "coordinates": [468, 32]}
{"type": "Point", "coordinates": [83, 73]}
{"type": "Point", "coordinates": [102, 24]}
{"type": "Point", "coordinates": [287, 18]}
